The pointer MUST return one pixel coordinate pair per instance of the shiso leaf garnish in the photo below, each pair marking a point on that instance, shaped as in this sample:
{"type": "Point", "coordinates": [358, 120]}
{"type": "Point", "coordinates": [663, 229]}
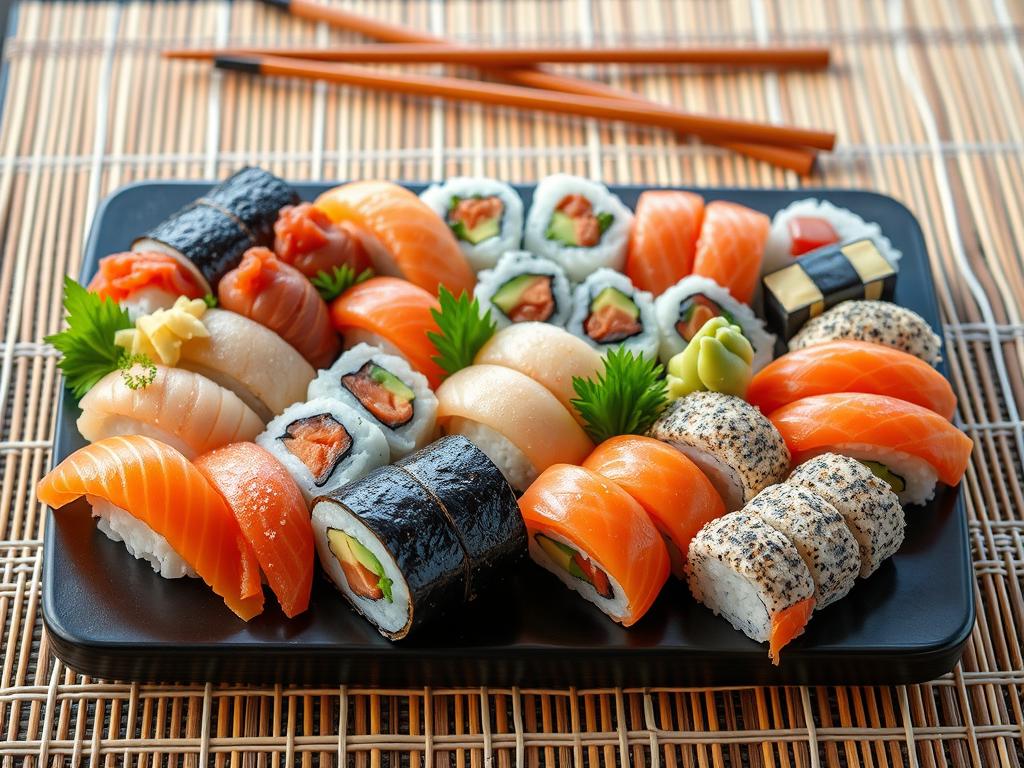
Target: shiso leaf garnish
{"type": "Point", "coordinates": [87, 348]}
{"type": "Point", "coordinates": [331, 286]}
{"type": "Point", "coordinates": [624, 400]}
{"type": "Point", "coordinates": [134, 380]}
{"type": "Point", "coordinates": [463, 330]}
{"type": "Point", "coordinates": [210, 300]}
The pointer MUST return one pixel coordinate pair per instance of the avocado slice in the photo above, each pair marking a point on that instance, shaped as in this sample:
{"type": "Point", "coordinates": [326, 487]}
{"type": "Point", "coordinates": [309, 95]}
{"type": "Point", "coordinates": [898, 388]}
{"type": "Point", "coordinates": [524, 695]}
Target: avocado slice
{"type": "Point", "coordinates": [896, 482]}
{"type": "Point", "coordinates": [562, 554]}
{"type": "Point", "coordinates": [614, 298]}
{"type": "Point", "coordinates": [348, 550]}
{"type": "Point", "coordinates": [562, 229]}
{"type": "Point", "coordinates": [392, 383]}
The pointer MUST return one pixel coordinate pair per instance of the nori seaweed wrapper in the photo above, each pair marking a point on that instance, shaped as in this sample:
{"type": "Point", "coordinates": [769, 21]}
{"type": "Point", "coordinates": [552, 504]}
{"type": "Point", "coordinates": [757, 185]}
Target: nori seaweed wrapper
{"type": "Point", "coordinates": [409, 523]}
{"type": "Point", "coordinates": [254, 197]}
{"type": "Point", "coordinates": [478, 502]}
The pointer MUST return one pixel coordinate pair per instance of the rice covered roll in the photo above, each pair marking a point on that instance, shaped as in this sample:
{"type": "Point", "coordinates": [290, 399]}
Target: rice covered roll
{"type": "Point", "coordinates": [578, 224]}
{"type": "Point", "coordinates": [609, 312]}
{"type": "Point", "coordinates": [524, 288]}
{"type": "Point", "coordinates": [868, 505]}
{"type": "Point", "coordinates": [879, 322]}
{"type": "Point", "coordinates": [683, 309]}
{"type": "Point", "coordinates": [753, 576]}
{"type": "Point", "coordinates": [478, 504]}
{"type": "Point", "coordinates": [324, 444]}
{"type": "Point", "coordinates": [737, 447]}
{"type": "Point", "coordinates": [385, 390]}
{"type": "Point", "coordinates": [385, 544]}
{"type": "Point", "coordinates": [596, 539]}
{"type": "Point", "coordinates": [485, 215]}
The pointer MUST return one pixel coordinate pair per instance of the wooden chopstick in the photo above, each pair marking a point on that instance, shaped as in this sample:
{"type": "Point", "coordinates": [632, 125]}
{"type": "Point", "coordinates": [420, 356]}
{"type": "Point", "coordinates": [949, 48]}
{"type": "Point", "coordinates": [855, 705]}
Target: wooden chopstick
{"type": "Point", "coordinates": [458, 89]}
{"type": "Point", "coordinates": [439, 53]}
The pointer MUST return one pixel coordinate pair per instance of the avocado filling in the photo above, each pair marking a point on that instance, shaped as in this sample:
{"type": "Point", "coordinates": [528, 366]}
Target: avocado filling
{"type": "Point", "coordinates": [475, 219]}
{"type": "Point", "coordinates": [363, 571]}
{"type": "Point", "coordinates": [574, 223]}
{"type": "Point", "coordinates": [696, 310]}
{"type": "Point", "coordinates": [320, 442]}
{"type": "Point", "coordinates": [896, 482]}
{"type": "Point", "coordinates": [525, 298]}
{"type": "Point", "coordinates": [613, 317]}
{"type": "Point", "coordinates": [382, 393]}
{"type": "Point", "coordinates": [576, 564]}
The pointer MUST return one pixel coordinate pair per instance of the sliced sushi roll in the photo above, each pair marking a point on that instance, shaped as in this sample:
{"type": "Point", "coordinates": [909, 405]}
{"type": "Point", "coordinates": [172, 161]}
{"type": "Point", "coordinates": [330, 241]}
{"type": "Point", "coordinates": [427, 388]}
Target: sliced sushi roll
{"type": "Point", "coordinates": [578, 224]}
{"type": "Point", "coordinates": [523, 432]}
{"type": "Point", "coordinates": [385, 544]}
{"type": "Point", "coordinates": [596, 539]}
{"type": "Point", "coordinates": [731, 247]}
{"type": "Point", "coordinates": [254, 197]}
{"type": "Point", "coordinates": [868, 505]}
{"type": "Point", "coordinates": [683, 309]}
{"type": "Point", "coordinates": [753, 576]}
{"type": "Point", "coordinates": [609, 312]}
{"type": "Point", "coordinates": [818, 532]}
{"type": "Point", "coordinates": [663, 240]}
{"type": "Point", "coordinates": [485, 215]}
{"type": "Point", "coordinates": [524, 288]}
{"type": "Point", "coordinates": [879, 322]}
{"type": "Point", "coordinates": [186, 411]}
{"type": "Point", "coordinates": [386, 391]}
{"type": "Point", "coordinates": [144, 282]}
{"type": "Point", "coordinates": [478, 504]}
{"type": "Point", "coordinates": [324, 444]}
{"type": "Point", "coordinates": [309, 241]}
{"type": "Point", "coordinates": [737, 447]}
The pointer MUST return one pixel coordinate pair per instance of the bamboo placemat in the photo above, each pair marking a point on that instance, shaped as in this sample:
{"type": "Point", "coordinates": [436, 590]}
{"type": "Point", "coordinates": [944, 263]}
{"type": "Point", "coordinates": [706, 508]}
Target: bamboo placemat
{"type": "Point", "coordinates": [927, 99]}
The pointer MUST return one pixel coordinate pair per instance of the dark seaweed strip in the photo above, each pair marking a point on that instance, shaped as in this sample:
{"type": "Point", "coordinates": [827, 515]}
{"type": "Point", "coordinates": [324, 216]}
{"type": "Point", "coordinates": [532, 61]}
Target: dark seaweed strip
{"type": "Point", "coordinates": [254, 196]}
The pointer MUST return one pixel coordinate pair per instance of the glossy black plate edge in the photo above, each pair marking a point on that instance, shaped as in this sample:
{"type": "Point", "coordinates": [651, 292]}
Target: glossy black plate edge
{"type": "Point", "coordinates": [533, 666]}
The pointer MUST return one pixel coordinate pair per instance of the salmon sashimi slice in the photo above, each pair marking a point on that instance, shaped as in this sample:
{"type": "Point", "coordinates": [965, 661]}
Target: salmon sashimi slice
{"type": "Point", "coordinates": [663, 241]}
{"type": "Point", "coordinates": [397, 312]}
{"type": "Point", "coordinates": [305, 238]}
{"type": "Point", "coordinates": [122, 274]}
{"type": "Point", "coordinates": [815, 424]}
{"type": "Point", "coordinates": [161, 488]}
{"type": "Point", "coordinates": [851, 366]}
{"type": "Point", "coordinates": [272, 514]}
{"type": "Point", "coordinates": [603, 523]}
{"type": "Point", "coordinates": [731, 247]}
{"type": "Point", "coordinates": [403, 236]}
{"type": "Point", "coordinates": [787, 625]}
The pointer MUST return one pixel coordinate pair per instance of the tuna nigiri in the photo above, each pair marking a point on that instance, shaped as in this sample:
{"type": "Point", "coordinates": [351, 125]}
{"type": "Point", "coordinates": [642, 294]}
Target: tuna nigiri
{"type": "Point", "coordinates": [153, 486]}
{"type": "Point", "coordinates": [305, 238]}
{"type": "Point", "coordinates": [143, 282]}
{"type": "Point", "coordinates": [731, 246]}
{"type": "Point", "coordinates": [663, 241]}
{"type": "Point", "coordinates": [272, 514]}
{"type": "Point", "coordinates": [903, 443]}
{"type": "Point", "coordinates": [851, 366]}
{"type": "Point", "coordinates": [278, 296]}
{"type": "Point", "coordinates": [402, 235]}
{"type": "Point", "coordinates": [392, 314]}
{"type": "Point", "coordinates": [596, 539]}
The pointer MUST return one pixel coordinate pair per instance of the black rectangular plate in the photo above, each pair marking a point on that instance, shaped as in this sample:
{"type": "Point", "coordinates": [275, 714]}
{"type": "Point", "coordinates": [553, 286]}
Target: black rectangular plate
{"type": "Point", "coordinates": [108, 615]}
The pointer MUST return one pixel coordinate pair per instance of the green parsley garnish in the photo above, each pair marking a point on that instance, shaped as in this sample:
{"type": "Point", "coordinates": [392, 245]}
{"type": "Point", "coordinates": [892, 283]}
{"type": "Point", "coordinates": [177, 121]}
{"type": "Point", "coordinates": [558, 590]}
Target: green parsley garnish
{"type": "Point", "coordinates": [463, 330]}
{"type": "Point", "coordinates": [87, 348]}
{"type": "Point", "coordinates": [210, 300]}
{"type": "Point", "coordinates": [625, 400]}
{"type": "Point", "coordinates": [604, 220]}
{"type": "Point", "coordinates": [136, 380]}
{"type": "Point", "coordinates": [331, 286]}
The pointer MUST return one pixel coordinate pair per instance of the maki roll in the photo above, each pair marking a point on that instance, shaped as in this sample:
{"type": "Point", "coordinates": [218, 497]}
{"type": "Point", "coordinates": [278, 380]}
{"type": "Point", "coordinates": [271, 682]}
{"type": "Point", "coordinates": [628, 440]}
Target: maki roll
{"type": "Point", "coordinates": [609, 312]}
{"type": "Point", "coordinates": [737, 447]}
{"type": "Point", "coordinates": [578, 224]}
{"type": "Point", "coordinates": [524, 288]}
{"type": "Point", "coordinates": [478, 504]}
{"type": "Point", "coordinates": [254, 197]}
{"type": "Point", "coordinates": [386, 391]}
{"type": "Point", "coordinates": [324, 444]}
{"type": "Point", "coordinates": [485, 215]}
{"type": "Point", "coordinates": [683, 309]}
{"type": "Point", "coordinates": [385, 544]}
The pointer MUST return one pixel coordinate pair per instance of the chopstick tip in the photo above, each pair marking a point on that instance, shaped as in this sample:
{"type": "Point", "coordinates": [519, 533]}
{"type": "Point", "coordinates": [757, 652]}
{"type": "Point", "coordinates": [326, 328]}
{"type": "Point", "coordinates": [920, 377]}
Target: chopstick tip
{"type": "Point", "coordinates": [245, 64]}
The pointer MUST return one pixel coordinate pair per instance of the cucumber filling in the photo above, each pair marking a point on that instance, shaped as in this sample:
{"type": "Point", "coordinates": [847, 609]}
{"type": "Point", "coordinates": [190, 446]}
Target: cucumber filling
{"type": "Point", "coordinates": [696, 310]}
{"type": "Point", "coordinates": [475, 219]}
{"type": "Point", "coordinates": [383, 394]}
{"type": "Point", "coordinates": [576, 565]}
{"type": "Point", "coordinates": [613, 317]}
{"type": "Point", "coordinates": [363, 571]}
{"type": "Point", "coordinates": [320, 442]}
{"type": "Point", "coordinates": [896, 482]}
{"type": "Point", "coordinates": [526, 298]}
{"type": "Point", "coordinates": [574, 223]}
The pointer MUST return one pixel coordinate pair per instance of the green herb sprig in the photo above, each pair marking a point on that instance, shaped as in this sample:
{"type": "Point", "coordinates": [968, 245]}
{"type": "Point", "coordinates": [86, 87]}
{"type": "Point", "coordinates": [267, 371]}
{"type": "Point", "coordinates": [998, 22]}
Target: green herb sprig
{"type": "Point", "coordinates": [331, 286]}
{"type": "Point", "coordinates": [463, 330]}
{"type": "Point", "coordinates": [624, 400]}
{"type": "Point", "coordinates": [136, 380]}
{"type": "Point", "coordinates": [210, 301]}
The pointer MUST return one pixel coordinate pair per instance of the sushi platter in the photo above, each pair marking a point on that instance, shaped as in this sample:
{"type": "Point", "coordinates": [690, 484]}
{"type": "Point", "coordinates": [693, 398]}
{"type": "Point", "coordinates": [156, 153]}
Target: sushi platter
{"type": "Point", "coordinates": [488, 434]}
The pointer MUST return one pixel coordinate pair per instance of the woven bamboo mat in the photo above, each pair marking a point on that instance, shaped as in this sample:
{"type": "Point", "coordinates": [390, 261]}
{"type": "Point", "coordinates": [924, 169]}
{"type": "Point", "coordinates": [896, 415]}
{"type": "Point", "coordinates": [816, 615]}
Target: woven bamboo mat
{"type": "Point", "coordinates": [927, 99]}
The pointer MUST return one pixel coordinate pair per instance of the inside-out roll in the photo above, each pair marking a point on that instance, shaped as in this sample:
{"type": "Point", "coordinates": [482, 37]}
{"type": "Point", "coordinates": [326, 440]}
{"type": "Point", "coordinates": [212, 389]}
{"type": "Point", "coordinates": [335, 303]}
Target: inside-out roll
{"type": "Point", "coordinates": [609, 312]}
{"type": "Point", "coordinates": [524, 288]}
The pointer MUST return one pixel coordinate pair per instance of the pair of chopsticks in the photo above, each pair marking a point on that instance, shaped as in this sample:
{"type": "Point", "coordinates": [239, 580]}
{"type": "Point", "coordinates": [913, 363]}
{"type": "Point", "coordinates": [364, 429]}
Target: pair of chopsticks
{"type": "Point", "coordinates": [529, 87]}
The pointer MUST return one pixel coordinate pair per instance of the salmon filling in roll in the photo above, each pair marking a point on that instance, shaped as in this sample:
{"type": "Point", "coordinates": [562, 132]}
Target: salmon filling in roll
{"type": "Point", "coordinates": [320, 442]}
{"type": "Point", "coordinates": [475, 219]}
{"type": "Point", "coordinates": [382, 393]}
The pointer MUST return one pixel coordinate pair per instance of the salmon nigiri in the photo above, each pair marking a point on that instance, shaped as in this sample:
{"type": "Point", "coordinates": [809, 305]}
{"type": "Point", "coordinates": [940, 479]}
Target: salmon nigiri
{"type": "Point", "coordinates": [305, 238]}
{"type": "Point", "coordinates": [143, 282]}
{"type": "Point", "coordinates": [135, 479]}
{"type": "Point", "coordinates": [278, 296]}
{"type": "Point", "coordinates": [596, 539]}
{"type": "Point", "coordinates": [392, 314]}
{"type": "Point", "coordinates": [663, 241]}
{"type": "Point", "coordinates": [851, 366]}
{"type": "Point", "coordinates": [731, 247]}
{"type": "Point", "coordinates": [909, 446]}
{"type": "Point", "coordinates": [272, 514]}
{"type": "Point", "coordinates": [402, 235]}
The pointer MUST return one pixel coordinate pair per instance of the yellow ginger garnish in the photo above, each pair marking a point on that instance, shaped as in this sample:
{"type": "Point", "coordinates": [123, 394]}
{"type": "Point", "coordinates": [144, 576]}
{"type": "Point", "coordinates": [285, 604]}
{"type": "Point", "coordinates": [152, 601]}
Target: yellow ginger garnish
{"type": "Point", "coordinates": [161, 334]}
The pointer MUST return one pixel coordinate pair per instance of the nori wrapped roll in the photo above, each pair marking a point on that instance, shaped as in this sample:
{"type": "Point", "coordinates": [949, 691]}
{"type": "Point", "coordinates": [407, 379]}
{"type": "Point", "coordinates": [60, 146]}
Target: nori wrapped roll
{"type": "Point", "coordinates": [479, 504]}
{"type": "Point", "coordinates": [253, 196]}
